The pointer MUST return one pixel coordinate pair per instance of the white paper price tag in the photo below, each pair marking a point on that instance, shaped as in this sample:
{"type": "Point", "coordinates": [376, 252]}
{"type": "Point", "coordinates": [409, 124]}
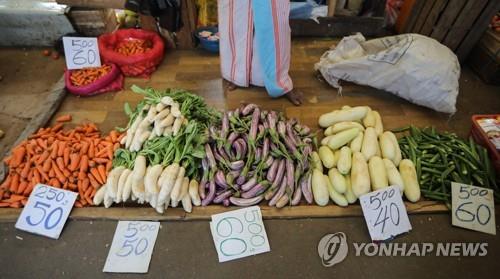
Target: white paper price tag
{"type": "Point", "coordinates": [81, 52]}
{"type": "Point", "coordinates": [472, 208]}
{"type": "Point", "coordinates": [132, 247]}
{"type": "Point", "coordinates": [385, 213]}
{"type": "Point", "coordinates": [239, 233]}
{"type": "Point", "coordinates": [46, 211]}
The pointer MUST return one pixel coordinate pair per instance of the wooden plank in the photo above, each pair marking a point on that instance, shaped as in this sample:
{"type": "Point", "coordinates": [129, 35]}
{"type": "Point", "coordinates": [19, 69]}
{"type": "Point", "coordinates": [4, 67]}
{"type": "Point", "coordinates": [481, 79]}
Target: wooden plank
{"type": "Point", "coordinates": [415, 13]}
{"type": "Point", "coordinates": [338, 26]}
{"type": "Point", "coordinates": [426, 9]}
{"type": "Point", "coordinates": [184, 36]}
{"type": "Point", "coordinates": [463, 23]}
{"type": "Point", "coordinates": [47, 108]}
{"type": "Point", "coordinates": [113, 4]}
{"type": "Point", "coordinates": [446, 19]}
{"type": "Point", "coordinates": [478, 29]}
{"type": "Point", "coordinates": [431, 20]}
{"type": "Point", "coordinates": [205, 213]}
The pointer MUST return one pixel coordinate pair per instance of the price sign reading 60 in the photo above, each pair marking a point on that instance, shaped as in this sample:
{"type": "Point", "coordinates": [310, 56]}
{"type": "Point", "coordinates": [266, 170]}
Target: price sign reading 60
{"type": "Point", "coordinates": [81, 52]}
{"type": "Point", "coordinates": [46, 211]}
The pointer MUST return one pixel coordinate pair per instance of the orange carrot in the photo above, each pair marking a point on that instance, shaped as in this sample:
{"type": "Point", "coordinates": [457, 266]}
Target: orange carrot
{"type": "Point", "coordinates": [57, 127]}
{"type": "Point", "coordinates": [101, 160]}
{"type": "Point", "coordinates": [64, 118]}
{"type": "Point", "coordinates": [26, 169]}
{"type": "Point", "coordinates": [75, 161]}
{"type": "Point", "coordinates": [93, 181]}
{"type": "Point", "coordinates": [78, 204]}
{"type": "Point", "coordinates": [60, 149]}
{"type": "Point", "coordinates": [66, 172]}
{"type": "Point", "coordinates": [28, 189]}
{"type": "Point", "coordinates": [66, 156]}
{"type": "Point", "coordinates": [4, 204]}
{"type": "Point", "coordinates": [14, 198]}
{"type": "Point", "coordinates": [96, 175]}
{"type": "Point", "coordinates": [45, 155]}
{"type": "Point", "coordinates": [42, 173]}
{"type": "Point", "coordinates": [102, 172]}
{"type": "Point", "coordinates": [17, 156]}
{"type": "Point", "coordinates": [59, 175]}
{"type": "Point", "coordinates": [22, 186]}
{"type": "Point", "coordinates": [52, 173]}
{"type": "Point", "coordinates": [85, 184]}
{"type": "Point", "coordinates": [82, 175]}
{"type": "Point", "coordinates": [14, 184]}
{"type": "Point", "coordinates": [116, 146]}
{"type": "Point", "coordinates": [113, 135]}
{"type": "Point", "coordinates": [15, 204]}
{"type": "Point", "coordinates": [84, 163]}
{"type": "Point", "coordinates": [46, 165]}
{"type": "Point", "coordinates": [85, 148]}
{"type": "Point", "coordinates": [41, 143]}
{"type": "Point", "coordinates": [53, 153]}
{"type": "Point", "coordinates": [60, 163]}
{"type": "Point", "coordinates": [109, 166]}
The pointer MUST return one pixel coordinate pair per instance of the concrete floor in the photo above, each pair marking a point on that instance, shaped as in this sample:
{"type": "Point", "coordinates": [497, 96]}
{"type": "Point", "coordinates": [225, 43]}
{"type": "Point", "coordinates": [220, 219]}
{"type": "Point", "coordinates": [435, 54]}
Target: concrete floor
{"type": "Point", "coordinates": [185, 249]}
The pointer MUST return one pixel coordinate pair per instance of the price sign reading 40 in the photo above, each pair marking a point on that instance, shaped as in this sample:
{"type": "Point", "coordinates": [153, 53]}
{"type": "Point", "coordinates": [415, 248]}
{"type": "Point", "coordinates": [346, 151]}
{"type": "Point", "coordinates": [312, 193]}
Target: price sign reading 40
{"type": "Point", "coordinates": [46, 211]}
{"type": "Point", "coordinates": [239, 233]}
{"type": "Point", "coordinates": [81, 52]}
{"type": "Point", "coordinates": [473, 208]}
{"type": "Point", "coordinates": [385, 213]}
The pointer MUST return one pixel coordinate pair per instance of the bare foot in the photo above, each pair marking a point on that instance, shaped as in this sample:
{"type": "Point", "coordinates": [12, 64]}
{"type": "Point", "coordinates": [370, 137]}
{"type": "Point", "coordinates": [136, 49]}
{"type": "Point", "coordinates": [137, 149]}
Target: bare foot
{"type": "Point", "coordinates": [230, 86]}
{"type": "Point", "coordinates": [295, 96]}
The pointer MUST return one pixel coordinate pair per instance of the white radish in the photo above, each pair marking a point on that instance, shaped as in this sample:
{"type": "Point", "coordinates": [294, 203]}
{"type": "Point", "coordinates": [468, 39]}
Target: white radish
{"type": "Point", "coordinates": [357, 142]}
{"type": "Point", "coordinates": [349, 195]}
{"type": "Point", "coordinates": [336, 197]}
{"type": "Point", "coordinates": [131, 131]}
{"type": "Point", "coordinates": [352, 114]}
{"type": "Point", "coordinates": [370, 143]}
{"type": "Point", "coordinates": [127, 188]}
{"type": "Point", "coordinates": [387, 147]}
{"type": "Point", "coordinates": [326, 156]}
{"type": "Point", "coordinates": [151, 114]}
{"type": "Point", "coordinates": [319, 188]}
{"type": "Point", "coordinates": [379, 127]}
{"type": "Point", "coordinates": [168, 183]}
{"type": "Point", "coordinates": [175, 195]}
{"type": "Point", "coordinates": [173, 203]}
{"type": "Point", "coordinates": [184, 196]}
{"type": "Point", "coordinates": [123, 140]}
{"type": "Point", "coordinates": [167, 100]}
{"type": "Point", "coordinates": [151, 184]}
{"type": "Point", "coordinates": [337, 180]}
{"type": "Point", "coordinates": [194, 193]}
{"type": "Point", "coordinates": [393, 175]}
{"type": "Point", "coordinates": [167, 121]}
{"type": "Point", "coordinates": [121, 184]}
{"type": "Point", "coordinates": [162, 114]}
{"type": "Point", "coordinates": [187, 204]}
{"type": "Point", "coordinates": [160, 106]}
{"type": "Point", "coordinates": [138, 177]}
{"type": "Point", "coordinates": [342, 138]}
{"type": "Point", "coordinates": [175, 110]}
{"type": "Point", "coordinates": [378, 176]}
{"type": "Point", "coordinates": [112, 181]}
{"type": "Point", "coordinates": [108, 201]}
{"type": "Point", "coordinates": [167, 132]}
{"type": "Point", "coordinates": [177, 125]}
{"type": "Point", "coordinates": [360, 178]}
{"type": "Point", "coordinates": [410, 180]}
{"type": "Point", "coordinates": [99, 195]}
{"type": "Point", "coordinates": [344, 161]}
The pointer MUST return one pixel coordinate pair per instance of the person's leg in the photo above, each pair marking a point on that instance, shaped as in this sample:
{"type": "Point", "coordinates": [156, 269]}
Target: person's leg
{"type": "Point", "coordinates": [236, 31]}
{"type": "Point", "coordinates": [273, 41]}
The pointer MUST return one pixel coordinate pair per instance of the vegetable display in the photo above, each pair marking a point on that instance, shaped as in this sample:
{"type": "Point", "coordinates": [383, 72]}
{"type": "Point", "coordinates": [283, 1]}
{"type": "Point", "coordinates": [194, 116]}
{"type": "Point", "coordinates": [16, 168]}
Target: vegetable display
{"type": "Point", "coordinates": [157, 167]}
{"type": "Point", "coordinates": [441, 158]}
{"type": "Point", "coordinates": [257, 155]}
{"type": "Point", "coordinates": [76, 159]}
{"type": "Point", "coordinates": [87, 76]}
{"type": "Point", "coordinates": [359, 157]}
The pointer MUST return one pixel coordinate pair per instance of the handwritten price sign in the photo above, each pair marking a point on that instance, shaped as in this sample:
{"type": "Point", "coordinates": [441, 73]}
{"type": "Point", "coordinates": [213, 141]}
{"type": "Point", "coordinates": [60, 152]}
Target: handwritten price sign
{"type": "Point", "coordinates": [385, 213]}
{"type": "Point", "coordinates": [473, 208]}
{"type": "Point", "coordinates": [81, 52]}
{"type": "Point", "coordinates": [239, 233]}
{"type": "Point", "coordinates": [46, 211]}
{"type": "Point", "coordinates": [132, 247]}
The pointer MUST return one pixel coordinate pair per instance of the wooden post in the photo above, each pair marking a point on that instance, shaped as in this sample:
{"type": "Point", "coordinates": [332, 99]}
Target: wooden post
{"type": "Point", "coordinates": [331, 7]}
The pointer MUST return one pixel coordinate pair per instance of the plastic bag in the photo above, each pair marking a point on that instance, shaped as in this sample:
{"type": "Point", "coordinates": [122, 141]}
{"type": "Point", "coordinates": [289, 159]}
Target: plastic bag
{"type": "Point", "coordinates": [142, 65]}
{"type": "Point", "coordinates": [411, 66]}
{"type": "Point", "coordinates": [113, 81]}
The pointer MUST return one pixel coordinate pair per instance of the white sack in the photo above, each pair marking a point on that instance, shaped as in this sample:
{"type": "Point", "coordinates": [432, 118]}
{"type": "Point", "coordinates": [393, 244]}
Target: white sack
{"type": "Point", "coordinates": [411, 66]}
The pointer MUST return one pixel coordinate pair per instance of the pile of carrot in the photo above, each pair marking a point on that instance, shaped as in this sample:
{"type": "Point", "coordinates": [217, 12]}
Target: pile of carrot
{"type": "Point", "coordinates": [87, 76]}
{"type": "Point", "coordinates": [76, 159]}
{"type": "Point", "coordinates": [133, 47]}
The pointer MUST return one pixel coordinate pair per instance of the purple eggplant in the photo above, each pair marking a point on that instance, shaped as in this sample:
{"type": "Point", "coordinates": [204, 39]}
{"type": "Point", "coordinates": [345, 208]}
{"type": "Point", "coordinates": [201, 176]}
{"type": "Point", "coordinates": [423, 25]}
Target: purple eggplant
{"type": "Point", "coordinates": [211, 194]}
{"type": "Point", "coordinates": [241, 179]}
{"type": "Point", "coordinates": [204, 165]}
{"type": "Point", "coordinates": [243, 145]}
{"type": "Point", "coordinates": [290, 133]}
{"type": "Point", "coordinates": [237, 165]}
{"type": "Point", "coordinates": [230, 139]}
{"type": "Point", "coordinates": [290, 175]}
{"type": "Point", "coordinates": [252, 134]}
{"type": "Point", "coordinates": [271, 173]}
{"type": "Point", "coordinates": [281, 128]}
{"type": "Point", "coordinates": [226, 202]}
{"type": "Point", "coordinates": [222, 196]}
{"type": "Point", "coordinates": [220, 179]}
{"type": "Point", "coordinates": [210, 156]}
{"type": "Point", "coordinates": [219, 158]}
{"type": "Point", "coordinates": [258, 154]}
{"type": "Point", "coordinates": [271, 120]}
{"type": "Point", "coordinates": [254, 191]}
{"type": "Point", "coordinates": [269, 162]}
{"type": "Point", "coordinates": [248, 109]}
{"type": "Point", "coordinates": [249, 184]}
{"type": "Point", "coordinates": [279, 193]}
{"type": "Point", "coordinates": [265, 148]}
{"type": "Point", "coordinates": [306, 185]}
{"type": "Point", "coordinates": [282, 201]}
{"type": "Point", "coordinates": [222, 153]}
{"type": "Point", "coordinates": [201, 188]}
{"type": "Point", "coordinates": [238, 150]}
{"type": "Point", "coordinates": [305, 131]}
{"type": "Point", "coordinates": [225, 126]}
{"type": "Point", "coordinates": [280, 173]}
{"type": "Point", "coordinates": [246, 202]}
{"type": "Point", "coordinates": [307, 140]}
{"type": "Point", "coordinates": [297, 195]}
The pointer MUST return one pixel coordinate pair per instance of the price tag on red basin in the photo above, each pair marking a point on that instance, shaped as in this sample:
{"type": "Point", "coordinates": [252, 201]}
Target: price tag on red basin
{"type": "Point", "coordinates": [385, 213]}
{"type": "Point", "coordinates": [239, 233]}
{"type": "Point", "coordinates": [472, 208]}
{"type": "Point", "coordinates": [47, 210]}
{"type": "Point", "coordinates": [81, 52]}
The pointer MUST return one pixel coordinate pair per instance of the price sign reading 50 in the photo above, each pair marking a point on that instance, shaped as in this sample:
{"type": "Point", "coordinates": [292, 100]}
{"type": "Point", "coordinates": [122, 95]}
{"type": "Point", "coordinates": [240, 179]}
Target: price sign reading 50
{"type": "Point", "coordinates": [81, 52]}
{"type": "Point", "coordinates": [132, 247]}
{"type": "Point", "coordinates": [473, 208]}
{"type": "Point", "coordinates": [239, 233]}
{"type": "Point", "coordinates": [385, 213]}
{"type": "Point", "coordinates": [46, 211]}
